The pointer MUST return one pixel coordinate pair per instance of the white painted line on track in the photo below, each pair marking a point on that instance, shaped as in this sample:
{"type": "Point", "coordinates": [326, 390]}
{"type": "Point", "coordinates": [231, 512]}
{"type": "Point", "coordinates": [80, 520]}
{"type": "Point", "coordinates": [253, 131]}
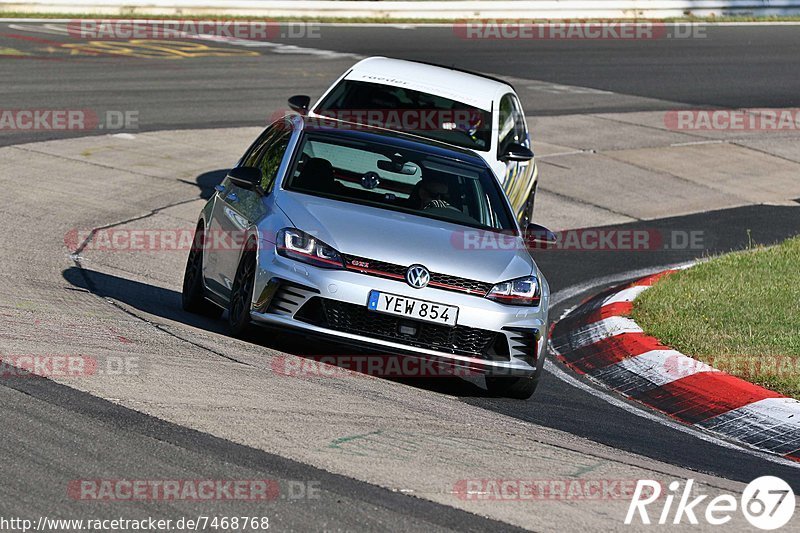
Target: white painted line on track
{"type": "Point", "coordinates": [56, 28]}
{"type": "Point", "coordinates": [561, 154]}
{"type": "Point", "coordinates": [406, 25]}
{"type": "Point", "coordinates": [575, 290]}
{"type": "Point", "coordinates": [695, 143]}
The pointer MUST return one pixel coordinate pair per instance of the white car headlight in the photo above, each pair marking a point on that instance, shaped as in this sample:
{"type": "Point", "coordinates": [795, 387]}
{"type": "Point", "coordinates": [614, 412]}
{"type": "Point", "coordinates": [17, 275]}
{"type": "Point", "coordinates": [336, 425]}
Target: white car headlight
{"type": "Point", "coordinates": [522, 291]}
{"type": "Point", "coordinates": [301, 246]}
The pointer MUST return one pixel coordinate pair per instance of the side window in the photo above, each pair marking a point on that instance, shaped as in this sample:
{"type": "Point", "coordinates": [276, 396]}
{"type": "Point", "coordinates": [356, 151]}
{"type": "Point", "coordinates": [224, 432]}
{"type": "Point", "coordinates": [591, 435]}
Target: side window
{"type": "Point", "coordinates": [270, 158]}
{"type": "Point", "coordinates": [251, 155]}
{"type": "Point", "coordinates": [267, 152]}
{"type": "Point", "coordinates": [512, 127]}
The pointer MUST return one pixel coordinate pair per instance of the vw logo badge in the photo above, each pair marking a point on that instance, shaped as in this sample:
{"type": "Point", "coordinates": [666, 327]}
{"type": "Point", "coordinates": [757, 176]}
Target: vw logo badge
{"type": "Point", "coordinates": [417, 276]}
{"type": "Point", "coordinates": [370, 180]}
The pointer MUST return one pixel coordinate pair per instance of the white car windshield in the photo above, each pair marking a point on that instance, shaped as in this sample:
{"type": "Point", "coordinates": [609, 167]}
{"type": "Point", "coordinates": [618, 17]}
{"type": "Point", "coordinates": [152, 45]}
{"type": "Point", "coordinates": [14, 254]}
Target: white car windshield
{"type": "Point", "coordinates": [402, 109]}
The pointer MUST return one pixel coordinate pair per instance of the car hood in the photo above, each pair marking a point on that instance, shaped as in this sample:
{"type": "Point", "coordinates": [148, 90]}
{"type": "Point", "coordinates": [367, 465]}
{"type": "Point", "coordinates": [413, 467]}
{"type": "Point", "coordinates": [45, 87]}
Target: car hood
{"type": "Point", "coordinates": [405, 239]}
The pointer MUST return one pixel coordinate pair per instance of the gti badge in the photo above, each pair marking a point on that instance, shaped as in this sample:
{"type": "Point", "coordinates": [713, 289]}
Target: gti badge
{"type": "Point", "coordinates": [417, 276]}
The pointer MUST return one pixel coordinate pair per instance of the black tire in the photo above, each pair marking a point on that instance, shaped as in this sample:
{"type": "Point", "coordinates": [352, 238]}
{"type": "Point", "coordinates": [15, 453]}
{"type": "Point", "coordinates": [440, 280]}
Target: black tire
{"type": "Point", "coordinates": [193, 298]}
{"type": "Point", "coordinates": [520, 388]}
{"type": "Point", "coordinates": [242, 292]}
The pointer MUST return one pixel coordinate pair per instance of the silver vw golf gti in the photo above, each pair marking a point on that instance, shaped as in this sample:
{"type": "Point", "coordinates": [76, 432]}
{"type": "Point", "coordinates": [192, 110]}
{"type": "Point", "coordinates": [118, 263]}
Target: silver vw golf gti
{"type": "Point", "coordinates": [376, 239]}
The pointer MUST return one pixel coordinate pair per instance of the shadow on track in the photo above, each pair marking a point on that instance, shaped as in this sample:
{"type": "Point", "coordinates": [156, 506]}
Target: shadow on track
{"type": "Point", "coordinates": [166, 303]}
{"type": "Point", "coordinates": [207, 180]}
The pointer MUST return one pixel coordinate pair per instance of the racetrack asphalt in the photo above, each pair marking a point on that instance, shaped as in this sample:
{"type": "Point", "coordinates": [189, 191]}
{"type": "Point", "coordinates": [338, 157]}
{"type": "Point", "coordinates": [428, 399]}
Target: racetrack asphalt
{"type": "Point", "coordinates": [723, 67]}
{"type": "Point", "coordinates": [57, 432]}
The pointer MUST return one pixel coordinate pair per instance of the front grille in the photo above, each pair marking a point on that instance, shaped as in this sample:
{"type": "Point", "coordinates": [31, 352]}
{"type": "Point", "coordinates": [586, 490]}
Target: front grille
{"type": "Point", "coordinates": [356, 319]}
{"type": "Point", "coordinates": [464, 285]}
{"type": "Point", "coordinates": [398, 272]}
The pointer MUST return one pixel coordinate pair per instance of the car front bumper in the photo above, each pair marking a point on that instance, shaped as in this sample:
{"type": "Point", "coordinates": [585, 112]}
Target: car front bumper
{"type": "Point", "coordinates": [284, 291]}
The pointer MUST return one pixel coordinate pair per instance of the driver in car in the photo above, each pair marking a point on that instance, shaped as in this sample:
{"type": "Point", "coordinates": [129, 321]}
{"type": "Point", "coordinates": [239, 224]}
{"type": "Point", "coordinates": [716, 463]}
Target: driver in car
{"type": "Point", "coordinates": [433, 193]}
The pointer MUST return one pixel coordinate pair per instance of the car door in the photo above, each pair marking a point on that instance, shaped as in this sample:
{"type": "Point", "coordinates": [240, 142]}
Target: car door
{"type": "Point", "coordinates": [236, 209]}
{"type": "Point", "coordinates": [519, 175]}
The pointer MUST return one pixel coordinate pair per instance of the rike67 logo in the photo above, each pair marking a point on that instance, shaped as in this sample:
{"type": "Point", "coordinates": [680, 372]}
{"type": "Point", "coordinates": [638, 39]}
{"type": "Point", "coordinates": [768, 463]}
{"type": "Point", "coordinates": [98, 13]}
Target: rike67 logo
{"type": "Point", "coordinates": [767, 503]}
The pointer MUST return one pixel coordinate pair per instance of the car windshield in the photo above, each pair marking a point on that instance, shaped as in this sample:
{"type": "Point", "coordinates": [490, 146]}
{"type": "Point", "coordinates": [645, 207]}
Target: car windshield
{"type": "Point", "coordinates": [416, 112]}
{"type": "Point", "coordinates": [399, 179]}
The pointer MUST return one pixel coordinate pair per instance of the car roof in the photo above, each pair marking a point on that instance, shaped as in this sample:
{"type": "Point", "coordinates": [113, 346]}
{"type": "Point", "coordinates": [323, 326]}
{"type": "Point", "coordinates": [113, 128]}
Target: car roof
{"type": "Point", "coordinates": [352, 130]}
{"type": "Point", "coordinates": [456, 84]}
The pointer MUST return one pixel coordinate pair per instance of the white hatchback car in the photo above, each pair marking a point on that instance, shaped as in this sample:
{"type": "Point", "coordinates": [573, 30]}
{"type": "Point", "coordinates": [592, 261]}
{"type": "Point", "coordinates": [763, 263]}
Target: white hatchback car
{"type": "Point", "coordinates": [469, 110]}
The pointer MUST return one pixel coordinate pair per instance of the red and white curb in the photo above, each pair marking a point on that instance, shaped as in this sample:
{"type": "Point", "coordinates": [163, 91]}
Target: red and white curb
{"type": "Point", "coordinates": [598, 339]}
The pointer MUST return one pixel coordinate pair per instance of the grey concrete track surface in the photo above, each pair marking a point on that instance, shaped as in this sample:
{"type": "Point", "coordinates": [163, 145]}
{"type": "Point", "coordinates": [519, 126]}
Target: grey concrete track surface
{"type": "Point", "coordinates": [387, 455]}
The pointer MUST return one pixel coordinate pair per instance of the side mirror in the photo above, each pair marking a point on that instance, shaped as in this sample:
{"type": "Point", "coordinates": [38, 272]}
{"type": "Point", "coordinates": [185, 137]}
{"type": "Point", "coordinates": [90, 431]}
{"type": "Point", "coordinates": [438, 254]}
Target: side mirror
{"type": "Point", "coordinates": [245, 177]}
{"type": "Point", "coordinates": [300, 103]}
{"type": "Point", "coordinates": [517, 152]}
{"type": "Point", "coordinates": [537, 236]}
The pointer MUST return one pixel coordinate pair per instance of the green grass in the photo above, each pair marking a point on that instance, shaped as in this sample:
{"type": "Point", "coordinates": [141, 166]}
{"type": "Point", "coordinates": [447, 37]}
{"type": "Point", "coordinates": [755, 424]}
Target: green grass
{"type": "Point", "coordinates": [739, 312]}
{"type": "Point", "coordinates": [365, 20]}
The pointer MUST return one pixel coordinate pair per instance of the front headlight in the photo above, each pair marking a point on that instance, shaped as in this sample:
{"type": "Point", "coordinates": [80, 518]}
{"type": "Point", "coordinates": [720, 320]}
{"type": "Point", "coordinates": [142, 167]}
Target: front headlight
{"type": "Point", "coordinates": [522, 291]}
{"type": "Point", "coordinates": [301, 246]}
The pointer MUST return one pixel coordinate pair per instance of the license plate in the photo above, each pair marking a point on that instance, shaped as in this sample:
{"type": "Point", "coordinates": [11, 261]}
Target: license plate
{"type": "Point", "coordinates": [412, 308]}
